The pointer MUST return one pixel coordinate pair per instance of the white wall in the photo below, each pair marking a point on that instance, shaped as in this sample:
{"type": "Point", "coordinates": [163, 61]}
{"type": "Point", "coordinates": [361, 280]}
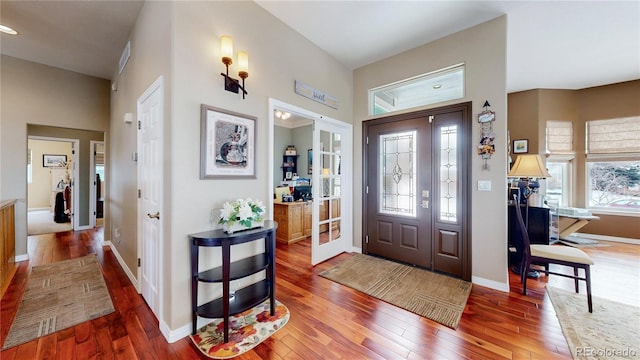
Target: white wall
{"type": "Point", "coordinates": [180, 41]}
{"type": "Point", "coordinates": [38, 94]}
{"type": "Point", "coordinates": [483, 50]}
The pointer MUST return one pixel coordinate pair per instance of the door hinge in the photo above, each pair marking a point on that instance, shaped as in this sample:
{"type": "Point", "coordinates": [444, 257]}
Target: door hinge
{"type": "Point", "coordinates": [139, 124]}
{"type": "Point", "coordinates": [138, 262]}
{"type": "Point", "coordinates": [366, 189]}
{"type": "Point", "coordinates": [366, 239]}
{"type": "Point", "coordinates": [431, 119]}
{"type": "Point", "coordinates": [139, 194]}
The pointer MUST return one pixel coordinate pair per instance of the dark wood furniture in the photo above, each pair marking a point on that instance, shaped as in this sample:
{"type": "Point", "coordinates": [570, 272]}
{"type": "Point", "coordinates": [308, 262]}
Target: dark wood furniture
{"type": "Point", "coordinates": [551, 254]}
{"type": "Point", "coordinates": [538, 230]}
{"type": "Point", "coordinates": [244, 298]}
{"type": "Point", "coordinates": [289, 165]}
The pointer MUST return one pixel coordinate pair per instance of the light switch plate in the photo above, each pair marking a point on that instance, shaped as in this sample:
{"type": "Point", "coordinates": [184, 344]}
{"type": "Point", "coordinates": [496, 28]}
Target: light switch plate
{"type": "Point", "coordinates": [484, 185]}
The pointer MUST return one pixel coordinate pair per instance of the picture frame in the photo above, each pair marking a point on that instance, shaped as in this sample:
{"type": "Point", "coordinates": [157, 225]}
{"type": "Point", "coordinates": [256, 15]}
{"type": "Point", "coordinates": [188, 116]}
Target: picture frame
{"type": "Point", "coordinates": [227, 144]}
{"type": "Point", "coordinates": [520, 146]}
{"type": "Point", "coordinates": [310, 161]}
{"type": "Point", "coordinates": [51, 160]}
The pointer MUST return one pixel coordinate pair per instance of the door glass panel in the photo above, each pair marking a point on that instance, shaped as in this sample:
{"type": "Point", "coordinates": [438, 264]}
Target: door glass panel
{"type": "Point", "coordinates": [448, 169]}
{"type": "Point", "coordinates": [397, 174]}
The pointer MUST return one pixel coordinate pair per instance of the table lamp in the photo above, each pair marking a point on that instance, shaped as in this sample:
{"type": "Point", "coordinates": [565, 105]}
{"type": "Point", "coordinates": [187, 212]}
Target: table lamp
{"type": "Point", "coordinates": [526, 167]}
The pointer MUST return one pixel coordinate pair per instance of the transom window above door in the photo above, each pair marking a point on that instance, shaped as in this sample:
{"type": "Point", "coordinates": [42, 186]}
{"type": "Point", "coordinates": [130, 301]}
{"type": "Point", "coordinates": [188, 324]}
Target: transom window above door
{"type": "Point", "coordinates": [431, 88]}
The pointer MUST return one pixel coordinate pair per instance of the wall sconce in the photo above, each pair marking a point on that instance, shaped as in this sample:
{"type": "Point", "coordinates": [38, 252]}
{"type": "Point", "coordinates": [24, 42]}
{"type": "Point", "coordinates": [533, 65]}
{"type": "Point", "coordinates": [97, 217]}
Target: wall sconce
{"type": "Point", "coordinates": [231, 84]}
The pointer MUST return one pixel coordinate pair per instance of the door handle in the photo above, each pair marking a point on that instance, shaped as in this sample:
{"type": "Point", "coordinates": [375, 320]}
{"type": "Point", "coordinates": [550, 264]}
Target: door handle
{"type": "Point", "coordinates": [154, 216]}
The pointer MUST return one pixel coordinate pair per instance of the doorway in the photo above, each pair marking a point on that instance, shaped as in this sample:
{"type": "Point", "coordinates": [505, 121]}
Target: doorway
{"type": "Point", "coordinates": [321, 144]}
{"type": "Point", "coordinates": [51, 174]}
{"type": "Point", "coordinates": [417, 189]}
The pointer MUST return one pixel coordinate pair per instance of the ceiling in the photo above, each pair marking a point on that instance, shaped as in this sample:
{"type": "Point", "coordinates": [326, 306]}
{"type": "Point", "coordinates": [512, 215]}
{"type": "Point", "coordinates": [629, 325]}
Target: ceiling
{"type": "Point", "coordinates": [551, 44]}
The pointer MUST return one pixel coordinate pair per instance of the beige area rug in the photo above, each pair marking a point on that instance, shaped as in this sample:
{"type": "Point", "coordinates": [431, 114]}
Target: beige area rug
{"type": "Point", "coordinates": [611, 331]}
{"type": "Point", "coordinates": [41, 222]}
{"type": "Point", "coordinates": [436, 297]}
{"type": "Point", "coordinates": [58, 296]}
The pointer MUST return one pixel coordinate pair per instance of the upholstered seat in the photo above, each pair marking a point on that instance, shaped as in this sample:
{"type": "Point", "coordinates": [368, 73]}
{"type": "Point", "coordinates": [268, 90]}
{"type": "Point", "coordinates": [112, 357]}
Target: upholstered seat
{"type": "Point", "coordinates": [553, 254]}
{"type": "Point", "coordinates": [565, 253]}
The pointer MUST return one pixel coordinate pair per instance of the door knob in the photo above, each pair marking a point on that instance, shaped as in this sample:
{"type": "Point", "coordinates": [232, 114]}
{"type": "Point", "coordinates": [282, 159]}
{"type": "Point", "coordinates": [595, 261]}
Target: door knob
{"type": "Point", "coordinates": [154, 216]}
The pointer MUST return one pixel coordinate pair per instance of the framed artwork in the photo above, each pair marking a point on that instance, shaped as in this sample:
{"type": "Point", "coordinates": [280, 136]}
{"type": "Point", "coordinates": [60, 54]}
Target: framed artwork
{"type": "Point", "coordinates": [310, 161]}
{"type": "Point", "coordinates": [227, 144]}
{"type": "Point", "coordinates": [520, 146]}
{"type": "Point", "coordinates": [49, 160]}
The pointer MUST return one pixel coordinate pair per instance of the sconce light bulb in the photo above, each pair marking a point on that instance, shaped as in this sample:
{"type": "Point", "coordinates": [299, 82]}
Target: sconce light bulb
{"type": "Point", "coordinates": [243, 64]}
{"type": "Point", "coordinates": [226, 49]}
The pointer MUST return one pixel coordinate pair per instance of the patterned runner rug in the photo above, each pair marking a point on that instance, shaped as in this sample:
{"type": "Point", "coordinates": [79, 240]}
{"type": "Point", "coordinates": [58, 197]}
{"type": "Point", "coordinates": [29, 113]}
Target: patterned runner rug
{"type": "Point", "coordinates": [437, 297]}
{"type": "Point", "coordinates": [246, 331]}
{"type": "Point", "coordinates": [59, 296]}
{"type": "Point", "coordinates": [611, 331]}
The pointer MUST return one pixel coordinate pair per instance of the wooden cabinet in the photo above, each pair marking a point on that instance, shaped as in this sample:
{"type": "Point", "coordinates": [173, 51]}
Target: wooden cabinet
{"type": "Point", "coordinates": [294, 219]}
{"type": "Point", "coordinates": [7, 243]}
{"type": "Point", "coordinates": [245, 298]}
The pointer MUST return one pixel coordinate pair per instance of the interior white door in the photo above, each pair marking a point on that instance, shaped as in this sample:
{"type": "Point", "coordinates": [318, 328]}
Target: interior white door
{"type": "Point", "coordinates": [328, 239]}
{"type": "Point", "coordinates": [150, 236]}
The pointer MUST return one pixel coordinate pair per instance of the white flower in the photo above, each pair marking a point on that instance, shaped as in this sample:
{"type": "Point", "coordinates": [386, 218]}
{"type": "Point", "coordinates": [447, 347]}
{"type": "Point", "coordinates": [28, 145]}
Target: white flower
{"type": "Point", "coordinates": [245, 212]}
{"type": "Point", "coordinates": [226, 211]}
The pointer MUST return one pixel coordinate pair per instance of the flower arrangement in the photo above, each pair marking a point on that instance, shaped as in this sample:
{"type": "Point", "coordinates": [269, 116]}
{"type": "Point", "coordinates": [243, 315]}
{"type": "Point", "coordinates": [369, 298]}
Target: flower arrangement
{"type": "Point", "coordinates": [241, 214]}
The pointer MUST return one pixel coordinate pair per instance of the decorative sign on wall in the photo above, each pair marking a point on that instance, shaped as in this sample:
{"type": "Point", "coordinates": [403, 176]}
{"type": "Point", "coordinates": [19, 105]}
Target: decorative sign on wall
{"type": "Point", "coordinates": [316, 95]}
{"type": "Point", "coordinates": [486, 148]}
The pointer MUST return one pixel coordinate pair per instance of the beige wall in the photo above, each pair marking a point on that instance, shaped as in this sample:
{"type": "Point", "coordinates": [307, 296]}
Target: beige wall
{"type": "Point", "coordinates": [483, 50]}
{"type": "Point", "coordinates": [38, 94]}
{"type": "Point", "coordinates": [530, 110]}
{"type": "Point", "coordinates": [180, 41]}
{"type": "Point", "coordinates": [39, 190]}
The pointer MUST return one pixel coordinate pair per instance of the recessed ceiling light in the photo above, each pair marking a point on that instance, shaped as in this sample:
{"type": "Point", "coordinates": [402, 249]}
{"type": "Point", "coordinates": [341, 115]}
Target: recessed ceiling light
{"type": "Point", "coordinates": [437, 86]}
{"type": "Point", "coordinates": [8, 30]}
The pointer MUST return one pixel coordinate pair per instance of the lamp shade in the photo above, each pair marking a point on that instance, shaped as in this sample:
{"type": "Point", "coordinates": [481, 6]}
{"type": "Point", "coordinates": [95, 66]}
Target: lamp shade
{"type": "Point", "coordinates": [529, 166]}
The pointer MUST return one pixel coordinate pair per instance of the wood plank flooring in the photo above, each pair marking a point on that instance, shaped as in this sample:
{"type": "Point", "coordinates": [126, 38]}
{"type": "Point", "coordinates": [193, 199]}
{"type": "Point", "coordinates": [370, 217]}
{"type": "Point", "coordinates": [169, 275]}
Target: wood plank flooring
{"type": "Point", "coordinates": [328, 321]}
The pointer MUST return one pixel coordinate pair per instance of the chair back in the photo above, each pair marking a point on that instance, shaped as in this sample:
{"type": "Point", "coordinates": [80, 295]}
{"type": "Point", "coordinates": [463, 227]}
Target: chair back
{"type": "Point", "coordinates": [526, 251]}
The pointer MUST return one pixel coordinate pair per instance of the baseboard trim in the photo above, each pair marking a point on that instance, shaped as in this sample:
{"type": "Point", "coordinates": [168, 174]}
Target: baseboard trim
{"type": "Point", "coordinates": [123, 265]}
{"type": "Point", "coordinates": [504, 287]}
{"type": "Point", "coordinates": [608, 238]}
{"type": "Point", "coordinates": [22, 257]}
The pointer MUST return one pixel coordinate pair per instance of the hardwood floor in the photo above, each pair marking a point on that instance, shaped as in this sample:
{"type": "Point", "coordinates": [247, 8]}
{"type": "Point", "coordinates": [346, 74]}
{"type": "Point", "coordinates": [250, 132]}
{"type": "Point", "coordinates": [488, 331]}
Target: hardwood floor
{"type": "Point", "coordinates": [328, 321]}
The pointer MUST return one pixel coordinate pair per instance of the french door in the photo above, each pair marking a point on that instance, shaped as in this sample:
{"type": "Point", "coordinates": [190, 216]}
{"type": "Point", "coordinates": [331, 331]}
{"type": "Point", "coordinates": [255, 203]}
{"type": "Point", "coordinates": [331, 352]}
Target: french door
{"type": "Point", "coordinates": [416, 193]}
{"type": "Point", "coordinates": [331, 218]}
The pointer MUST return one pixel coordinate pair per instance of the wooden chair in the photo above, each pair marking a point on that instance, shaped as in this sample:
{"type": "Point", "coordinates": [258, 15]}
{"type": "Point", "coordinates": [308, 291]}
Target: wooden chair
{"type": "Point", "coordinates": [552, 254]}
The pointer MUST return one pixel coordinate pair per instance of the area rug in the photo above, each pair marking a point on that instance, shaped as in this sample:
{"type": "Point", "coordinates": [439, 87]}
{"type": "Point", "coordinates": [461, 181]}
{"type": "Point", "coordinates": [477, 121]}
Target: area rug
{"type": "Point", "coordinates": [611, 331]}
{"type": "Point", "coordinates": [59, 296]}
{"type": "Point", "coordinates": [434, 296]}
{"type": "Point", "coordinates": [246, 331]}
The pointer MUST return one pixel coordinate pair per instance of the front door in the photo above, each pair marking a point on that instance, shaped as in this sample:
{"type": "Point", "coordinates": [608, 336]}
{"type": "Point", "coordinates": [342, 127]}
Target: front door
{"type": "Point", "coordinates": [417, 197]}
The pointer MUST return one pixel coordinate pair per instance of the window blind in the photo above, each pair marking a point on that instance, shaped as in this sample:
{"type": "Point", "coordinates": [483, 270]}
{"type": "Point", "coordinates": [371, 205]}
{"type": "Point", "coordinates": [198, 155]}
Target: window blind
{"type": "Point", "coordinates": [559, 137]}
{"type": "Point", "coordinates": [99, 158]}
{"type": "Point", "coordinates": [614, 136]}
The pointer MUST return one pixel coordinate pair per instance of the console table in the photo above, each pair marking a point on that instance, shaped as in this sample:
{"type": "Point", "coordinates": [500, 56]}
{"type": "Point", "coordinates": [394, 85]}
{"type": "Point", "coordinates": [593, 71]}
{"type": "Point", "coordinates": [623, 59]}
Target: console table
{"type": "Point", "coordinates": [244, 298]}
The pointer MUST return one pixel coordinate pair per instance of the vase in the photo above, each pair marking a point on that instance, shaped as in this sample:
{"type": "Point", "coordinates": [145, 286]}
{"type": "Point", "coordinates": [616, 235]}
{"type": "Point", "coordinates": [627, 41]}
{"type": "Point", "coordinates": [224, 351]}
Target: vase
{"type": "Point", "coordinates": [237, 226]}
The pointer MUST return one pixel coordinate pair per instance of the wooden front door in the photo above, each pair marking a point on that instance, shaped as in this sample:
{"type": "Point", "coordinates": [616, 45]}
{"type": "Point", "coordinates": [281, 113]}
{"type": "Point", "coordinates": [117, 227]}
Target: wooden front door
{"type": "Point", "coordinates": [417, 198]}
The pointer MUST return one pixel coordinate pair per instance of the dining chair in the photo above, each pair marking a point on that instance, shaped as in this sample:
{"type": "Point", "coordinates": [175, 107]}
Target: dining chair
{"type": "Point", "coordinates": [553, 254]}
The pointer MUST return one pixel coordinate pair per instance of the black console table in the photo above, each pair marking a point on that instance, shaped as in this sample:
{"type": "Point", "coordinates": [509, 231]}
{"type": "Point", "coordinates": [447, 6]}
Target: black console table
{"type": "Point", "coordinates": [244, 298]}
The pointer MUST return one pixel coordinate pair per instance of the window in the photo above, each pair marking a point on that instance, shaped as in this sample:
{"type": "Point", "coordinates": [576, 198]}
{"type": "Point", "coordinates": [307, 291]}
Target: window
{"type": "Point", "coordinates": [560, 155]}
{"type": "Point", "coordinates": [559, 185]}
{"type": "Point", "coordinates": [438, 86]}
{"type": "Point", "coordinates": [613, 165]}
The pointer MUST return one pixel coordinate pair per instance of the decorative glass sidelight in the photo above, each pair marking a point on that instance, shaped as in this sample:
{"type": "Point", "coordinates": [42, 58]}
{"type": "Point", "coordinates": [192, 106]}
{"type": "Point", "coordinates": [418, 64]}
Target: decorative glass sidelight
{"type": "Point", "coordinates": [448, 173]}
{"type": "Point", "coordinates": [397, 161]}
